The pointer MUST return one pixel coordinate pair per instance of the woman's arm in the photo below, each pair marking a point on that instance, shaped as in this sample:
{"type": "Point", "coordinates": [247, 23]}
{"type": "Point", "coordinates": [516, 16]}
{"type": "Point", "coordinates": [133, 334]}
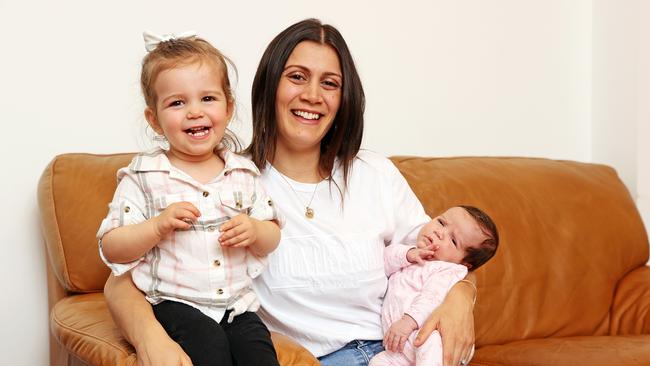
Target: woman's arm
{"type": "Point", "coordinates": [134, 316]}
{"type": "Point", "coordinates": [454, 319]}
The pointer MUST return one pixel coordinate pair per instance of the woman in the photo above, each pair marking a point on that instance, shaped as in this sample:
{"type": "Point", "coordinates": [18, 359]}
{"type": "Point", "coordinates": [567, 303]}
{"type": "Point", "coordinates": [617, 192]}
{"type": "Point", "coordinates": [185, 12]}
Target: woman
{"type": "Point", "coordinates": [325, 282]}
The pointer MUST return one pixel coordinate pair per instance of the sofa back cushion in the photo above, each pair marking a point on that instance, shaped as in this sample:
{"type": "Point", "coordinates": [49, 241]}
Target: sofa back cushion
{"type": "Point", "coordinates": [73, 196]}
{"type": "Point", "coordinates": [569, 231]}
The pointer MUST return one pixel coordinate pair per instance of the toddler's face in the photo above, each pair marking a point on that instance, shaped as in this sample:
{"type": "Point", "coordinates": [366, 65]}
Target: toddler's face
{"type": "Point", "coordinates": [192, 110]}
{"type": "Point", "coordinates": [452, 232]}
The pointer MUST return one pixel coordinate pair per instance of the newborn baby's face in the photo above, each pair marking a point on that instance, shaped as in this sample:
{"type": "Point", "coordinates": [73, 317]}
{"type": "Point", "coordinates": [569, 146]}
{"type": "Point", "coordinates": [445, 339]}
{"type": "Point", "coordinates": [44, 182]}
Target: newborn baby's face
{"type": "Point", "coordinates": [451, 233]}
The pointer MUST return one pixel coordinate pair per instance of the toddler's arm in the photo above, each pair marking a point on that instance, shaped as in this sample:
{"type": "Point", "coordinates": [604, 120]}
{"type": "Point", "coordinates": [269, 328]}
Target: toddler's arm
{"type": "Point", "coordinates": [130, 242]}
{"type": "Point", "coordinates": [259, 230]}
{"type": "Point", "coordinates": [262, 237]}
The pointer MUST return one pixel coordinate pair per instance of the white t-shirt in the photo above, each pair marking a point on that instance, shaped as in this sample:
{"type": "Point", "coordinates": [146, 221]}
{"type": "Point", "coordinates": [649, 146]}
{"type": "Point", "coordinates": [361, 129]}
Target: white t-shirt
{"type": "Point", "coordinates": [325, 282]}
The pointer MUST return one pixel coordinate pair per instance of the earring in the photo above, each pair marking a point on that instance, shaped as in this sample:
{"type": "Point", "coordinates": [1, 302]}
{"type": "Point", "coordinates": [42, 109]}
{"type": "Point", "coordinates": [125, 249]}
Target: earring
{"type": "Point", "coordinates": [161, 141]}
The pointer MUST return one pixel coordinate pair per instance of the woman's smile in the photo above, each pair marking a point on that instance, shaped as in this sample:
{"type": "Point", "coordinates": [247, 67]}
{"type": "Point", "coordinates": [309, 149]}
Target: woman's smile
{"type": "Point", "coordinates": [308, 117]}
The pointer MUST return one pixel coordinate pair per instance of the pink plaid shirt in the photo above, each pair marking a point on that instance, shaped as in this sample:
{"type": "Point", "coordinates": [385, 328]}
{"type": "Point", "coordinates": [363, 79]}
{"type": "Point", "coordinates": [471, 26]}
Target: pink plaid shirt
{"type": "Point", "coordinates": [190, 266]}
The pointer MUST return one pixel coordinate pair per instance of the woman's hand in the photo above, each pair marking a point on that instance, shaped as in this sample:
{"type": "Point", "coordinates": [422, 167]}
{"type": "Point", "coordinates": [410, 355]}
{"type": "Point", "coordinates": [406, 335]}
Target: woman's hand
{"type": "Point", "coordinates": [454, 320]}
{"type": "Point", "coordinates": [134, 316]}
{"type": "Point", "coordinates": [160, 350]}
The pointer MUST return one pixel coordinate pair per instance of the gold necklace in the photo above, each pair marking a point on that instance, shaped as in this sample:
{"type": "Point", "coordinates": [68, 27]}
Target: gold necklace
{"type": "Point", "coordinates": [309, 212]}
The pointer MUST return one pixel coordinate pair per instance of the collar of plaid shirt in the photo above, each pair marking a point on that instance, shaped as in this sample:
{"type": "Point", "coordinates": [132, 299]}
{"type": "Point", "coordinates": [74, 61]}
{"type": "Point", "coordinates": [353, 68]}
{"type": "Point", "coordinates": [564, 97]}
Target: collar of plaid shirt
{"type": "Point", "coordinates": [156, 160]}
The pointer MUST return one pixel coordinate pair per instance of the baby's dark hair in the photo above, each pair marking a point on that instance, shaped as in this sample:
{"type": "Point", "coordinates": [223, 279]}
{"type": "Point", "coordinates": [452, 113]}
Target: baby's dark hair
{"type": "Point", "coordinates": [477, 257]}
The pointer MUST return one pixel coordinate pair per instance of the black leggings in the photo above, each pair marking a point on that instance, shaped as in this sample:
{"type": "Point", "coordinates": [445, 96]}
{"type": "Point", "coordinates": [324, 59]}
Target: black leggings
{"type": "Point", "coordinates": [244, 342]}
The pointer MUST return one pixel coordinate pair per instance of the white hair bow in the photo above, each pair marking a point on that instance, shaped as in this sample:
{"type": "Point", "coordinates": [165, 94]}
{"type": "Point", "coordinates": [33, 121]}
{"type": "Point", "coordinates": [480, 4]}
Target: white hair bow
{"type": "Point", "coordinates": [152, 40]}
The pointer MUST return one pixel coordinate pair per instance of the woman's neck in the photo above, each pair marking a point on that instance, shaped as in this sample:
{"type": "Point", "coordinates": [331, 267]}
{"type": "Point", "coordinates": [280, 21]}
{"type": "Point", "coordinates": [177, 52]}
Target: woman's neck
{"type": "Point", "coordinates": [301, 166]}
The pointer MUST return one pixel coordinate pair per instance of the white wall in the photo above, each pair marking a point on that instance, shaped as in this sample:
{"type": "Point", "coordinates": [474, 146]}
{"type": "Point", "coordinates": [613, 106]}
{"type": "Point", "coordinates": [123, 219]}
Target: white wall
{"type": "Point", "coordinates": [643, 113]}
{"type": "Point", "coordinates": [473, 77]}
{"type": "Point", "coordinates": [621, 92]}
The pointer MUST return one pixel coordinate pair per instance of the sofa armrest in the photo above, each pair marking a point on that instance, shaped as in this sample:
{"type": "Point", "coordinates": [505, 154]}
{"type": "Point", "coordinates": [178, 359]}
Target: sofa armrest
{"type": "Point", "coordinates": [630, 312]}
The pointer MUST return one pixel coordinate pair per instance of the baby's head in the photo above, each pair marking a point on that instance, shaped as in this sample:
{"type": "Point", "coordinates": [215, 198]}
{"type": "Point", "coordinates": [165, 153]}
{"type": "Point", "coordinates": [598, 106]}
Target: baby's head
{"type": "Point", "coordinates": [463, 235]}
{"type": "Point", "coordinates": [181, 68]}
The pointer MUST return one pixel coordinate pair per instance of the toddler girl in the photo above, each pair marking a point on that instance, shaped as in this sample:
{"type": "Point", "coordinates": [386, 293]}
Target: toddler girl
{"type": "Point", "coordinates": [461, 239]}
{"type": "Point", "coordinates": [192, 223]}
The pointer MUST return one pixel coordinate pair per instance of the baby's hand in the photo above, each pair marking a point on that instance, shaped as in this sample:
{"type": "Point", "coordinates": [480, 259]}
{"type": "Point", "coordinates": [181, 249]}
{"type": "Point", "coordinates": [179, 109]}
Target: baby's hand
{"type": "Point", "coordinates": [240, 231]}
{"type": "Point", "coordinates": [425, 242]}
{"type": "Point", "coordinates": [419, 255]}
{"type": "Point", "coordinates": [179, 215]}
{"type": "Point", "coordinates": [398, 333]}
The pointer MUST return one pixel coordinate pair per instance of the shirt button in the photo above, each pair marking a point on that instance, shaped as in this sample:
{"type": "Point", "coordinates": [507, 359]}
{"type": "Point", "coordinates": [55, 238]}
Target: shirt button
{"type": "Point", "coordinates": [238, 204]}
{"type": "Point", "coordinates": [206, 193]}
{"type": "Point", "coordinates": [217, 263]}
{"type": "Point", "coordinates": [211, 228]}
{"type": "Point", "coordinates": [127, 209]}
{"type": "Point", "coordinates": [220, 291]}
{"type": "Point", "coordinates": [270, 203]}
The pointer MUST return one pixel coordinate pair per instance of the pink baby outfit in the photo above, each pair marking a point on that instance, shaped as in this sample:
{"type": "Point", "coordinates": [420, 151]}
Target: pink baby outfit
{"type": "Point", "coordinates": [415, 290]}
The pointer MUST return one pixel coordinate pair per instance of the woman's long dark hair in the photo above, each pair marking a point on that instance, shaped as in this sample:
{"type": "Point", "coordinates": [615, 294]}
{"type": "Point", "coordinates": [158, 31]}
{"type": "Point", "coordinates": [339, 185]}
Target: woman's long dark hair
{"type": "Point", "coordinates": [343, 139]}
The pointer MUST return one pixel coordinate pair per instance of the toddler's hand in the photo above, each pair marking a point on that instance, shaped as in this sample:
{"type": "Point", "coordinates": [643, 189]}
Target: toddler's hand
{"type": "Point", "coordinates": [179, 215]}
{"type": "Point", "coordinates": [398, 333]}
{"type": "Point", "coordinates": [419, 255]}
{"type": "Point", "coordinates": [240, 231]}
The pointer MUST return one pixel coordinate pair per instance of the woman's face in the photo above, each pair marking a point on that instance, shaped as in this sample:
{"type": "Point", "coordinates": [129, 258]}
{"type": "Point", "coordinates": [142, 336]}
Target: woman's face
{"type": "Point", "coordinates": [308, 96]}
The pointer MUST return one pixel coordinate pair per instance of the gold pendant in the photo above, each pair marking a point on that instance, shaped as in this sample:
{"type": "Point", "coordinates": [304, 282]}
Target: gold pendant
{"type": "Point", "coordinates": [309, 213]}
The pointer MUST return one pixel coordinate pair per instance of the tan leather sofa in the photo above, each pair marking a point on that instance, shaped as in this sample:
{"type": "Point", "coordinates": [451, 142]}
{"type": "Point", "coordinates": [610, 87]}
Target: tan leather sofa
{"type": "Point", "coordinates": [568, 286]}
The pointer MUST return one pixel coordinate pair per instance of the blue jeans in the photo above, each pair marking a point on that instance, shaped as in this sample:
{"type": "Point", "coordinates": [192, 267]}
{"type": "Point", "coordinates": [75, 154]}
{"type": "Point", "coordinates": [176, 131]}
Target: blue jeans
{"type": "Point", "coordinates": [355, 353]}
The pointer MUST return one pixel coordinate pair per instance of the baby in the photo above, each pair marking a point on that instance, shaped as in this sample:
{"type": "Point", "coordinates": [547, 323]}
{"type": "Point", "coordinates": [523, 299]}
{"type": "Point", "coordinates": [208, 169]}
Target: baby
{"type": "Point", "coordinates": [462, 238]}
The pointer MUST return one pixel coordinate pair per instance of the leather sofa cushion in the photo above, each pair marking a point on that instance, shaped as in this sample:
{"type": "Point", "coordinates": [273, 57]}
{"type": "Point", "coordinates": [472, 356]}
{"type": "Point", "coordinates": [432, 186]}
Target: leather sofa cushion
{"type": "Point", "coordinates": [631, 307]}
{"type": "Point", "coordinates": [74, 192]}
{"type": "Point", "coordinates": [570, 351]}
{"type": "Point", "coordinates": [83, 324]}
